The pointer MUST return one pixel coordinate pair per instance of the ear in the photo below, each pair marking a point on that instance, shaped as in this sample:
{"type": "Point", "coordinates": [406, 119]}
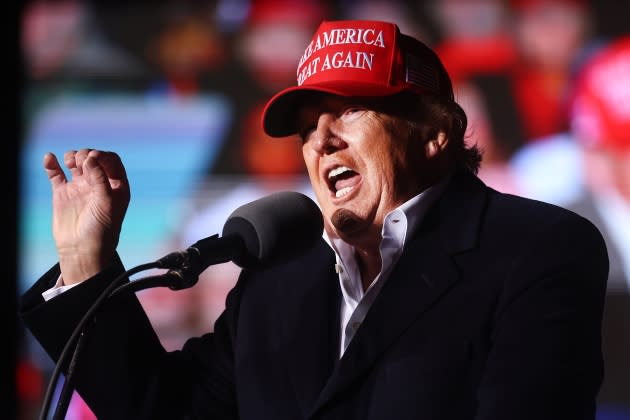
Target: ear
{"type": "Point", "coordinates": [435, 146]}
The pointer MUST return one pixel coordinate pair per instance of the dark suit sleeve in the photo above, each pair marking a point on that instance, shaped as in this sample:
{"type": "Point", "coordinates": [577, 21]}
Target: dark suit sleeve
{"type": "Point", "coordinates": [123, 372]}
{"type": "Point", "coordinates": [546, 360]}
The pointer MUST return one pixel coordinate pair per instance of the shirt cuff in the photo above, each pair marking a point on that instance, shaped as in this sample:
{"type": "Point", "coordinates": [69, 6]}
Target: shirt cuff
{"type": "Point", "coordinates": [57, 289]}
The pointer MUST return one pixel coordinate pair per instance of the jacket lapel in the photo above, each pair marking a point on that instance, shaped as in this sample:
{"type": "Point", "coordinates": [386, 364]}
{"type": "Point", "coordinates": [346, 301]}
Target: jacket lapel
{"type": "Point", "coordinates": [424, 273]}
{"type": "Point", "coordinates": [313, 329]}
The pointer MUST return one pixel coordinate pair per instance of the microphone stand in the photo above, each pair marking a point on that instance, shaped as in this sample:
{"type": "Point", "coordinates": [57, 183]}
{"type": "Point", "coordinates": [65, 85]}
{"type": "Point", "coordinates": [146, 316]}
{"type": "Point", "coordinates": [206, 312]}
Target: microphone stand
{"type": "Point", "coordinates": [185, 268]}
{"type": "Point", "coordinates": [175, 279]}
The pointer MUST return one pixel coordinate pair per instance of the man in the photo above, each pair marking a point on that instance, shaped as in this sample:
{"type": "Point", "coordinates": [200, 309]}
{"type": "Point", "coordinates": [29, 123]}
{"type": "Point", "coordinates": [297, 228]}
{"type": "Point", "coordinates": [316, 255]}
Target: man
{"type": "Point", "coordinates": [430, 295]}
{"type": "Point", "coordinates": [600, 115]}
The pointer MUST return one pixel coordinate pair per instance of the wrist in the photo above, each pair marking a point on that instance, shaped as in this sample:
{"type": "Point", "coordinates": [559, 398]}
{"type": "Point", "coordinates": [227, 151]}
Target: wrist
{"type": "Point", "coordinates": [79, 266]}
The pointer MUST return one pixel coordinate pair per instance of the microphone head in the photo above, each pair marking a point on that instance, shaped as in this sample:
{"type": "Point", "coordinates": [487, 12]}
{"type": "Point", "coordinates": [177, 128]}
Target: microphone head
{"type": "Point", "coordinates": [279, 226]}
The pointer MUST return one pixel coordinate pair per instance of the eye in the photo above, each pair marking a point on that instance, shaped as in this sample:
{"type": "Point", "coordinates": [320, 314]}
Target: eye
{"type": "Point", "coordinates": [352, 109]}
{"type": "Point", "coordinates": [351, 112]}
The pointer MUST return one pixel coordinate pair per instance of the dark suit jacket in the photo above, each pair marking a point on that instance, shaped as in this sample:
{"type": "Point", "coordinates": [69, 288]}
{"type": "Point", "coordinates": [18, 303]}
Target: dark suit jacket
{"type": "Point", "coordinates": [492, 312]}
{"type": "Point", "coordinates": [616, 322]}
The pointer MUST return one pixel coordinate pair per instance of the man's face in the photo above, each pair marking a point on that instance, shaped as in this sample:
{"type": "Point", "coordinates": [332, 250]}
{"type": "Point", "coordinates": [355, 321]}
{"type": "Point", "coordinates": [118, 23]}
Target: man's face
{"type": "Point", "coordinates": [360, 169]}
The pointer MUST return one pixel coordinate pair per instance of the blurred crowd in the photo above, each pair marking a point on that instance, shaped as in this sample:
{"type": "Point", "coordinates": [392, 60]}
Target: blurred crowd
{"type": "Point", "coordinates": [551, 124]}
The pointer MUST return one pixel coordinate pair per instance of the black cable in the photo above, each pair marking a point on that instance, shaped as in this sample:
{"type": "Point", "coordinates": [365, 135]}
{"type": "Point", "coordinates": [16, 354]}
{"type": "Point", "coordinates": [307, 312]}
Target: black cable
{"type": "Point", "coordinates": [79, 330]}
{"type": "Point", "coordinates": [183, 274]}
{"type": "Point", "coordinates": [175, 279]}
{"type": "Point", "coordinates": [66, 392]}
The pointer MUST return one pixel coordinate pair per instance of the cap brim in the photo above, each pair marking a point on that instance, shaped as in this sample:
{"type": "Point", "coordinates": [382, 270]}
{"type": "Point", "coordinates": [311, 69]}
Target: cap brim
{"type": "Point", "coordinates": [280, 113]}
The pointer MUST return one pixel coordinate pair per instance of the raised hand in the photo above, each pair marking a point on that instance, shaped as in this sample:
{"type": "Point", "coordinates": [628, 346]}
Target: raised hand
{"type": "Point", "coordinates": [88, 210]}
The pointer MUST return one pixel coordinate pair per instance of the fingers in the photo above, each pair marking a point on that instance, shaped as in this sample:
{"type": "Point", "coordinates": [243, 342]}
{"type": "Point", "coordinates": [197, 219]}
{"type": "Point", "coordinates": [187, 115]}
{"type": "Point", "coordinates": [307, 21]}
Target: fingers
{"type": "Point", "coordinates": [79, 160]}
{"type": "Point", "coordinates": [99, 168]}
{"type": "Point", "coordinates": [94, 171]}
{"type": "Point", "coordinates": [53, 170]}
{"type": "Point", "coordinates": [111, 164]}
{"type": "Point", "coordinates": [104, 169]}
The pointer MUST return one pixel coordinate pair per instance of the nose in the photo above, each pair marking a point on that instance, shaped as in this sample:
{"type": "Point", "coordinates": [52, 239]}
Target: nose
{"type": "Point", "coordinates": [325, 139]}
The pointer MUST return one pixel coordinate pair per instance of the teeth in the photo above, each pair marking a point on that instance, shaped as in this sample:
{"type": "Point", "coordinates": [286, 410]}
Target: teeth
{"type": "Point", "coordinates": [338, 171]}
{"type": "Point", "coordinates": [343, 191]}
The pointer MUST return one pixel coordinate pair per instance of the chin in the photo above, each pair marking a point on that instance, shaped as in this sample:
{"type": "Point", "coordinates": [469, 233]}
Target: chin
{"type": "Point", "coordinates": [347, 222]}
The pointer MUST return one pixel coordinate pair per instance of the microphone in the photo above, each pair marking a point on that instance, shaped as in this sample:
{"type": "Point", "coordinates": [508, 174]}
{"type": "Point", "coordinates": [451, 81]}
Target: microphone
{"type": "Point", "coordinates": [279, 226]}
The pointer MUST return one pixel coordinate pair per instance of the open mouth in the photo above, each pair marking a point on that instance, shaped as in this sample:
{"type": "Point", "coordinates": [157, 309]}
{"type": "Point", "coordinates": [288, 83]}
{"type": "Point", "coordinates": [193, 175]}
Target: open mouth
{"type": "Point", "coordinates": [342, 180]}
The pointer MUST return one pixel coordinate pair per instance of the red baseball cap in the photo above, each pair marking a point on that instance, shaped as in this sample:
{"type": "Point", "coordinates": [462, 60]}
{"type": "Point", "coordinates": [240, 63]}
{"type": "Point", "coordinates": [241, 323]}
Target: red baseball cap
{"type": "Point", "coordinates": [362, 58]}
{"type": "Point", "coordinates": [600, 104]}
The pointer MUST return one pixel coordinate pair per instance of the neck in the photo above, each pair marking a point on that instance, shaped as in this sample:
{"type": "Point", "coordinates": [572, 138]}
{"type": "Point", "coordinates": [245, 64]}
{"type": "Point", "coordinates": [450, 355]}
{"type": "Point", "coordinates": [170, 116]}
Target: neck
{"type": "Point", "coordinates": [369, 262]}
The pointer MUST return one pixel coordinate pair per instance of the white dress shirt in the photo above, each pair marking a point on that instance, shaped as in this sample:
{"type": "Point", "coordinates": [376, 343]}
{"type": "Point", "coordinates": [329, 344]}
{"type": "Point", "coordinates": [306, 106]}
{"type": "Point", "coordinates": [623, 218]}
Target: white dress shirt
{"type": "Point", "coordinates": [398, 226]}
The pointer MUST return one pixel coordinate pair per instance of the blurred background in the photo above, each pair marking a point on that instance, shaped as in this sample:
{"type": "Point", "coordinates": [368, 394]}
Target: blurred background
{"type": "Point", "coordinates": [177, 87]}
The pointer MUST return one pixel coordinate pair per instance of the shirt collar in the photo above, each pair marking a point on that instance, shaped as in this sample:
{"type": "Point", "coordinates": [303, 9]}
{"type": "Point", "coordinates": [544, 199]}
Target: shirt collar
{"type": "Point", "coordinates": [412, 210]}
